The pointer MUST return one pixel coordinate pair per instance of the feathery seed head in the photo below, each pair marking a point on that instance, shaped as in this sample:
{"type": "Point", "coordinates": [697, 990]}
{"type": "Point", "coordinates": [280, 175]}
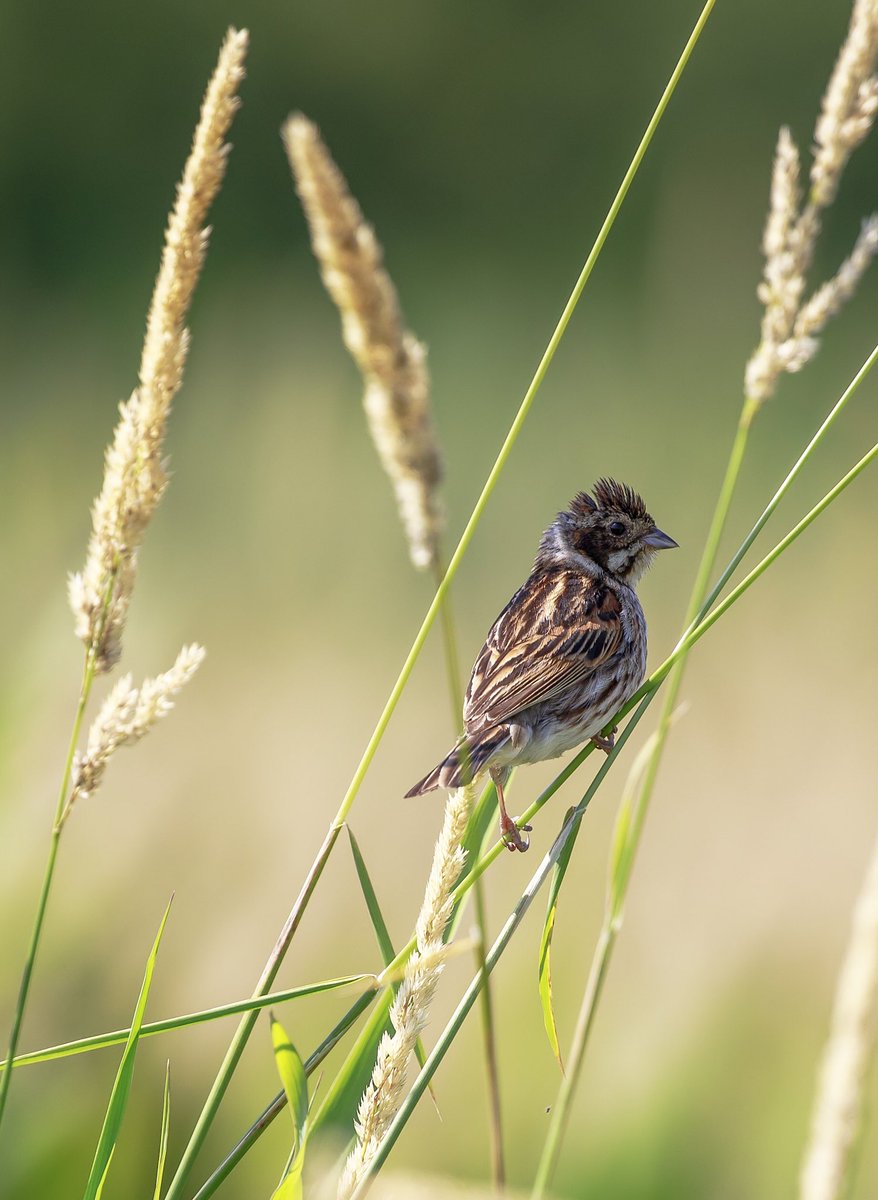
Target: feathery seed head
{"type": "Point", "coordinates": [849, 103]}
{"type": "Point", "coordinates": [127, 715]}
{"type": "Point", "coordinates": [791, 325]}
{"type": "Point", "coordinates": [391, 359]}
{"type": "Point", "coordinates": [135, 475]}
{"type": "Point", "coordinates": [835, 293]}
{"type": "Point", "coordinates": [837, 1116]}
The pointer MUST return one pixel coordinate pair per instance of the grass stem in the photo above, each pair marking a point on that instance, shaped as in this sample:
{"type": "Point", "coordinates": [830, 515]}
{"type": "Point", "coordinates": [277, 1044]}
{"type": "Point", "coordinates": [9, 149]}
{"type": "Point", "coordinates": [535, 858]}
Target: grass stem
{"type": "Point", "coordinates": [48, 875]}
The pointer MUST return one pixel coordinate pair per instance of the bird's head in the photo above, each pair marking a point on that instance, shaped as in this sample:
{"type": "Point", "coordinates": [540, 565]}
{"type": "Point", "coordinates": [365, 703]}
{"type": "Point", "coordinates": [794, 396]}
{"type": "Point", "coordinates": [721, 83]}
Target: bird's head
{"type": "Point", "coordinates": [610, 528]}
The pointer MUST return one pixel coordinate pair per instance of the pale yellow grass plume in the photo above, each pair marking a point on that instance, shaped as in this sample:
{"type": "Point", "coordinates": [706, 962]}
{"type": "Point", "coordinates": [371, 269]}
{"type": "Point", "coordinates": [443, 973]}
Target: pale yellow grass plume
{"type": "Point", "coordinates": [135, 475]}
{"type": "Point", "coordinates": [790, 325]}
{"type": "Point", "coordinates": [392, 360]}
{"type": "Point", "coordinates": [849, 103]}
{"type": "Point", "coordinates": [127, 715]}
{"type": "Point", "coordinates": [838, 1106]}
{"type": "Point", "coordinates": [409, 1012]}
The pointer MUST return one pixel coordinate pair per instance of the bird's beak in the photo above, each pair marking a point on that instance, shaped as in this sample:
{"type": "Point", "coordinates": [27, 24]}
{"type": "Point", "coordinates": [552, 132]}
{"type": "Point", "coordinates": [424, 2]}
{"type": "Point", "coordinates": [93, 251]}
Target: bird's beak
{"type": "Point", "coordinates": [659, 541]}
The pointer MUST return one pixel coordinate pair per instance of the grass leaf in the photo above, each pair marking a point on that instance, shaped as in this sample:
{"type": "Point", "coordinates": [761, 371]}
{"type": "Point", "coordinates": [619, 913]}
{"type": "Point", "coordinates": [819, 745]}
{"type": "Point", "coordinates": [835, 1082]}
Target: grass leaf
{"type": "Point", "coordinates": [122, 1085]}
{"type": "Point", "coordinates": [545, 960]}
{"type": "Point", "coordinates": [376, 916]}
{"type": "Point", "coordinates": [295, 1085]}
{"type": "Point", "coordinates": [103, 1179]}
{"type": "Point", "coordinates": [163, 1137]}
{"type": "Point", "coordinates": [101, 1041]}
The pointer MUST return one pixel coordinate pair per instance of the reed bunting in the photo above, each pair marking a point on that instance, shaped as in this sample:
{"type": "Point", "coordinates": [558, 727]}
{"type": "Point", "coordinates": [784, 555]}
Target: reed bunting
{"type": "Point", "coordinates": [566, 652]}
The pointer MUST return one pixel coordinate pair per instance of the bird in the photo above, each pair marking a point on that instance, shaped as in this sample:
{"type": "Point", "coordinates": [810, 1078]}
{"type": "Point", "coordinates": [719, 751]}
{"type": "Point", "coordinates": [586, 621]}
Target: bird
{"type": "Point", "coordinates": [565, 653]}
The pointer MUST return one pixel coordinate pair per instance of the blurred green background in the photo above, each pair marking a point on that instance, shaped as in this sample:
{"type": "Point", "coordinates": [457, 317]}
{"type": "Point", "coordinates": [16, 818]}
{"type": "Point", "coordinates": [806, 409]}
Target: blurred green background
{"type": "Point", "coordinates": [485, 143]}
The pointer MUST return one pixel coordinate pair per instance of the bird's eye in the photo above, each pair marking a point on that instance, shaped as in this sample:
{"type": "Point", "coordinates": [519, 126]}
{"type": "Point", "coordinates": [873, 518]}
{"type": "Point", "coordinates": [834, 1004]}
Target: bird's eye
{"type": "Point", "coordinates": [616, 528]}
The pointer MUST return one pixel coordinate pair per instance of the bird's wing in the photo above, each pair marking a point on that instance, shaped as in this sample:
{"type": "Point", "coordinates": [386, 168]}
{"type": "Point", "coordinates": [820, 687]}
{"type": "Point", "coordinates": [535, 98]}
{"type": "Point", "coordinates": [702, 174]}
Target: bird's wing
{"type": "Point", "coordinates": [555, 631]}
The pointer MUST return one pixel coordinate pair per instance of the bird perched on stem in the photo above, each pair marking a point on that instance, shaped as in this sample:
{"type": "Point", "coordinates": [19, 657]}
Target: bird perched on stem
{"type": "Point", "coordinates": [565, 653]}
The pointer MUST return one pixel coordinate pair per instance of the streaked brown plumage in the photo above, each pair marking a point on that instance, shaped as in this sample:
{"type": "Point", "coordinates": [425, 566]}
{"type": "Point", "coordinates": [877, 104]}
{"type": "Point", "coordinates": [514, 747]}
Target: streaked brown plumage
{"type": "Point", "coordinates": [566, 652]}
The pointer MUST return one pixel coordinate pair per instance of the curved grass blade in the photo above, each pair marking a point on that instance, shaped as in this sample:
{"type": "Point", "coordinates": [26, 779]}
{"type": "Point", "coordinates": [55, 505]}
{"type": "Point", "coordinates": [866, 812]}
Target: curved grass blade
{"type": "Point", "coordinates": [163, 1137]}
{"type": "Point", "coordinates": [545, 961]}
{"type": "Point", "coordinates": [295, 1085]}
{"type": "Point", "coordinates": [122, 1084]}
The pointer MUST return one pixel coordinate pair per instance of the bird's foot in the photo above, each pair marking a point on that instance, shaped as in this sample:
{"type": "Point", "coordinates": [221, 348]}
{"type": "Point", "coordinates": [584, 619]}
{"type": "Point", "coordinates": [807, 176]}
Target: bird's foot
{"type": "Point", "coordinates": [605, 743]}
{"type": "Point", "coordinates": [511, 833]}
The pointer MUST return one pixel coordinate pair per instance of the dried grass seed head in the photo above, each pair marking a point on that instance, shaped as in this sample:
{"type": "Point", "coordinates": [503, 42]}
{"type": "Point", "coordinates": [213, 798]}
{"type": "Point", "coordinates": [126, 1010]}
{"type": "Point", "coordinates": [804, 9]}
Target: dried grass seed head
{"type": "Point", "coordinates": [850, 103]}
{"type": "Point", "coordinates": [391, 359]}
{"type": "Point", "coordinates": [790, 325]}
{"type": "Point", "coordinates": [135, 475]}
{"type": "Point", "coordinates": [127, 715]}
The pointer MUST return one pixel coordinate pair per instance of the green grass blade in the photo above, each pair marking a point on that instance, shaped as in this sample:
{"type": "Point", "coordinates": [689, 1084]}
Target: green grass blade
{"type": "Point", "coordinates": [163, 1137]}
{"type": "Point", "coordinates": [103, 1179]}
{"type": "Point", "coordinates": [385, 945]}
{"type": "Point", "coordinates": [101, 1041]}
{"type": "Point", "coordinates": [375, 914]}
{"type": "Point", "coordinates": [48, 876]}
{"type": "Point", "coordinates": [290, 1187]}
{"type": "Point", "coordinates": [545, 960]}
{"type": "Point", "coordinates": [122, 1085]}
{"type": "Point", "coordinates": [295, 1085]}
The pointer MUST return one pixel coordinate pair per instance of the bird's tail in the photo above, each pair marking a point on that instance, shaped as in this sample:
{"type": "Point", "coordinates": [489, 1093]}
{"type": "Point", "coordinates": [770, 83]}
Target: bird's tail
{"type": "Point", "coordinates": [468, 759]}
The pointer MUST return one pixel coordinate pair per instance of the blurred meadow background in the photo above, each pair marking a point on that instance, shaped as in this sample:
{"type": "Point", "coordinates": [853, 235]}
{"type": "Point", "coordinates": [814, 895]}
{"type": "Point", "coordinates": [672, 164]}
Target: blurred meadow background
{"type": "Point", "coordinates": [484, 143]}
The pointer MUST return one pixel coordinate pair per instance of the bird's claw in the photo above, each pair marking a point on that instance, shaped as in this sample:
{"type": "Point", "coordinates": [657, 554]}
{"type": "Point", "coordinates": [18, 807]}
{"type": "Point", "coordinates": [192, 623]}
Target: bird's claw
{"type": "Point", "coordinates": [511, 833]}
{"type": "Point", "coordinates": [605, 743]}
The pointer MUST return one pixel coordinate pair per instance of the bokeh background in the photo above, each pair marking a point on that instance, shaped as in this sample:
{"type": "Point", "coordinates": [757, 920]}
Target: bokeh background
{"type": "Point", "coordinates": [485, 143]}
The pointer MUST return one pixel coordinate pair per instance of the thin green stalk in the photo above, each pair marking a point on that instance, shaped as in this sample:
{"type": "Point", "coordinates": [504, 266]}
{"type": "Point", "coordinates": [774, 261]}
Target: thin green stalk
{"type": "Point", "coordinates": [721, 609]}
{"type": "Point", "coordinates": [569, 1080]}
{"type": "Point", "coordinates": [49, 874]}
{"type": "Point", "coordinates": [698, 609]}
{"type": "Point", "coordinates": [101, 1041]}
{"type": "Point", "coordinates": [452, 658]}
{"type": "Point", "coordinates": [236, 1049]}
{"type": "Point", "coordinates": [492, 1073]}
